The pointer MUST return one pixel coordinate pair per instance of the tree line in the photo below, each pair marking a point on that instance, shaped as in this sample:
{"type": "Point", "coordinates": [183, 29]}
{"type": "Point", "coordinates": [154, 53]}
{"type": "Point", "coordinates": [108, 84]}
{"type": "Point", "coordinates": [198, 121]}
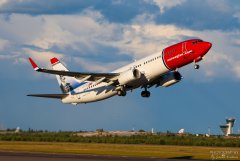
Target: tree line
{"type": "Point", "coordinates": [146, 138]}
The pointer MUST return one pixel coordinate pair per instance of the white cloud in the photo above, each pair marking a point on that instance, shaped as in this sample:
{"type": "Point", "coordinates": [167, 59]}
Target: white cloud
{"type": "Point", "coordinates": [142, 40]}
{"type": "Point", "coordinates": [90, 32]}
{"type": "Point", "coordinates": [3, 2]}
{"type": "Point", "coordinates": [222, 61]}
{"type": "Point", "coordinates": [236, 69]}
{"type": "Point", "coordinates": [52, 34]}
{"type": "Point", "coordinates": [20, 28]}
{"type": "Point", "coordinates": [4, 44]}
{"type": "Point", "coordinates": [42, 57]}
{"type": "Point", "coordinates": [166, 31]}
{"type": "Point", "coordinates": [80, 32]}
{"type": "Point", "coordinates": [98, 66]}
{"type": "Point", "coordinates": [165, 4]}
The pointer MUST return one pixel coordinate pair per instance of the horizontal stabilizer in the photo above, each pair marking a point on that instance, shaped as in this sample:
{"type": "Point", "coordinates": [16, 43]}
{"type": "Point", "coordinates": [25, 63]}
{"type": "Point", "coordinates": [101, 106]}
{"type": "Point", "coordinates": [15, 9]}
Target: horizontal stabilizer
{"type": "Point", "coordinates": [58, 96]}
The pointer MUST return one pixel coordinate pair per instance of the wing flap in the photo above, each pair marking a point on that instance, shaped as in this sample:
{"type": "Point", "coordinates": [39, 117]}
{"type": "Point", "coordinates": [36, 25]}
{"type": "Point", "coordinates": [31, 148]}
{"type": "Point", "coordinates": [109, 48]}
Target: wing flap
{"type": "Point", "coordinates": [57, 96]}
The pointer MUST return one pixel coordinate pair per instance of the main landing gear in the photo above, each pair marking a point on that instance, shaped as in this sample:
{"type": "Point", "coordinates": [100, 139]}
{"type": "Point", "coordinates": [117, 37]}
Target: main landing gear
{"type": "Point", "coordinates": [145, 93]}
{"type": "Point", "coordinates": [121, 93]}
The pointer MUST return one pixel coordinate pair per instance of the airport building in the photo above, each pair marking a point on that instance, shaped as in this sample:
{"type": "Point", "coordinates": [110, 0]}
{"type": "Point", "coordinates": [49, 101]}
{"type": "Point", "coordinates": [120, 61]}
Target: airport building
{"type": "Point", "coordinates": [227, 129]}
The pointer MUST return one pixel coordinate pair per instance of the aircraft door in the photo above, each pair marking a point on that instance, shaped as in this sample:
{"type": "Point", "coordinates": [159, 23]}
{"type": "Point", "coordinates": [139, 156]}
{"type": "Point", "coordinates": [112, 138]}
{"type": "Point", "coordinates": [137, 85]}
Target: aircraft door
{"type": "Point", "coordinates": [186, 53]}
{"type": "Point", "coordinates": [184, 49]}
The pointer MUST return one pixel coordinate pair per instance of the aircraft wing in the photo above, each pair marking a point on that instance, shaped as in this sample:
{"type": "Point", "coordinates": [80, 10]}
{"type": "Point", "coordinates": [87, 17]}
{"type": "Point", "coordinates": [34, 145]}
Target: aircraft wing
{"type": "Point", "coordinates": [104, 77]}
{"type": "Point", "coordinates": [57, 96]}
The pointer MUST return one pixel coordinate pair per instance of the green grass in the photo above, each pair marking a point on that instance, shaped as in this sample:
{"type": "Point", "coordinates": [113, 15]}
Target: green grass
{"type": "Point", "coordinates": [161, 151]}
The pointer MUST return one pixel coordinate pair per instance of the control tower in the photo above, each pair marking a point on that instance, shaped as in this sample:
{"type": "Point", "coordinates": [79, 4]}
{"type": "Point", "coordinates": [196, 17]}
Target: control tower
{"type": "Point", "coordinates": [227, 129]}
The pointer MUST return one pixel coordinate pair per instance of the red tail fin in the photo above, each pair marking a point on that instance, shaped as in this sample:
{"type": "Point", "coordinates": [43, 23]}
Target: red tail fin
{"type": "Point", "coordinates": [34, 65]}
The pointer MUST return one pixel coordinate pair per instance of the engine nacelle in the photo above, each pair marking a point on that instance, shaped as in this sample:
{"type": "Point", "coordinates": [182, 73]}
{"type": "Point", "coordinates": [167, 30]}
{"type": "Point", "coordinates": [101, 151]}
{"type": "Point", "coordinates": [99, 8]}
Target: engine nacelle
{"type": "Point", "coordinates": [129, 76]}
{"type": "Point", "coordinates": [170, 79]}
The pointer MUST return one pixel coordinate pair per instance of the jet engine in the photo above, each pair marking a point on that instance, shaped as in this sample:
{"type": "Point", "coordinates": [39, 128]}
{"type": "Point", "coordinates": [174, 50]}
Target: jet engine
{"type": "Point", "coordinates": [170, 79]}
{"type": "Point", "coordinates": [129, 76]}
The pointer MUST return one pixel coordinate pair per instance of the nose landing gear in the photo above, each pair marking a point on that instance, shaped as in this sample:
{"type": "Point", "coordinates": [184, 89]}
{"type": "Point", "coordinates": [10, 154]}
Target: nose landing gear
{"type": "Point", "coordinates": [196, 66]}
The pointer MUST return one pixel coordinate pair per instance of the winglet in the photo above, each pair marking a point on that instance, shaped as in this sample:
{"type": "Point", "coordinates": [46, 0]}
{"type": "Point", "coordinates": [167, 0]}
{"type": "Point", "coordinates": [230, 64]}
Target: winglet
{"type": "Point", "coordinates": [54, 60]}
{"type": "Point", "coordinates": [34, 65]}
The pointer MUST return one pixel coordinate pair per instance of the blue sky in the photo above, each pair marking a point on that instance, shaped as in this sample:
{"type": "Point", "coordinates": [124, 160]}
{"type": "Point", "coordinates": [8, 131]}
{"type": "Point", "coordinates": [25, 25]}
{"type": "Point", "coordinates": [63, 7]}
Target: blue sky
{"type": "Point", "coordinates": [102, 35]}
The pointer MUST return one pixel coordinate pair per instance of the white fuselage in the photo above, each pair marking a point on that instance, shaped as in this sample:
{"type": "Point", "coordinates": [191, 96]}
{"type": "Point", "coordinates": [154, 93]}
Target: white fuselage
{"type": "Point", "coordinates": [151, 67]}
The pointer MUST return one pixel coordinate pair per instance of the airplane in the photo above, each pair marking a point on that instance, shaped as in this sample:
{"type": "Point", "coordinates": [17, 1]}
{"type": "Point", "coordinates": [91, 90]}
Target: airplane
{"type": "Point", "coordinates": [159, 69]}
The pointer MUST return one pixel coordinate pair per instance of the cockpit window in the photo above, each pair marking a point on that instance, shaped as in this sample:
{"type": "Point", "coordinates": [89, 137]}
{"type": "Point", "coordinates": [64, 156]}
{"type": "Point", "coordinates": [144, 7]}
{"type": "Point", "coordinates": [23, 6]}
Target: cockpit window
{"type": "Point", "coordinates": [196, 41]}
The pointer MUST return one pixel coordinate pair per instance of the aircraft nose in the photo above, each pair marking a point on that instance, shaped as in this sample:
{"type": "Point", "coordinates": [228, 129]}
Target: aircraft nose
{"type": "Point", "coordinates": [208, 45]}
